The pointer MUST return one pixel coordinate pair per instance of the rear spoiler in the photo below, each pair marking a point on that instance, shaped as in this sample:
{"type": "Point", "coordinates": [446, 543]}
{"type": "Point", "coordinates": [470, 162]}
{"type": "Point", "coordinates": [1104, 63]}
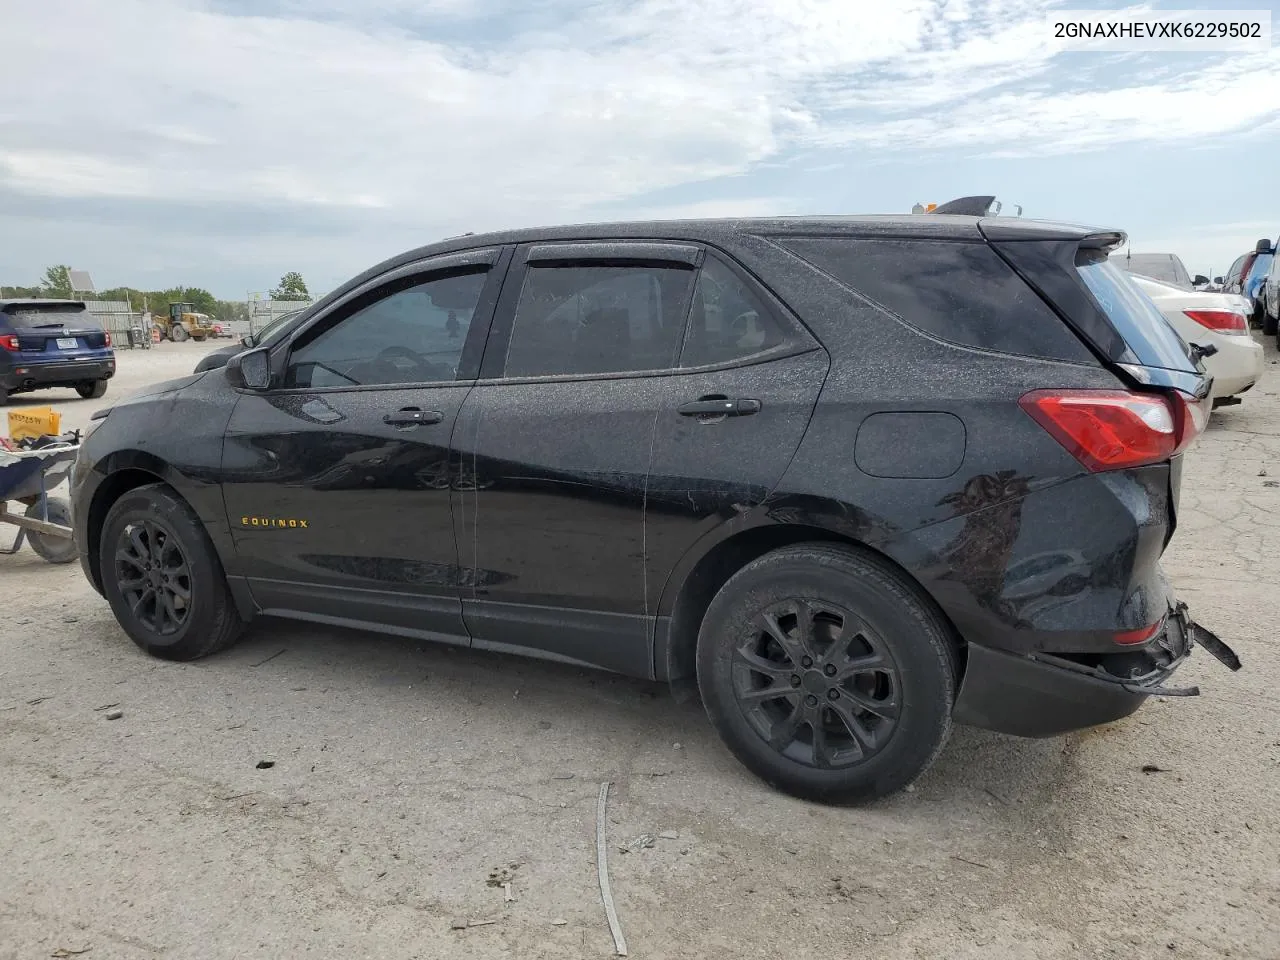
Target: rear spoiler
{"type": "Point", "coordinates": [13, 306]}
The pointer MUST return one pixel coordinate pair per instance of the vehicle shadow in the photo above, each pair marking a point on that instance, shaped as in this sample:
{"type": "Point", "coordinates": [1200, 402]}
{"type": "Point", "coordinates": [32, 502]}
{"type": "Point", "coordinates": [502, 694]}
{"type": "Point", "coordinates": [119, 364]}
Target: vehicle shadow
{"type": "Point", "coordinates": [612, 726]}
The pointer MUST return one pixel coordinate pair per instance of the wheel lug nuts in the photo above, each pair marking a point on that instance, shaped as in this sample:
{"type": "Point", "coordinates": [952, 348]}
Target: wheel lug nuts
{"type": "Point", "coordinates": [806, 662]}
{"type": "Point", "coordinates": [833, 694]}
{"type": "Point", "coordinates": [811, 701]}
{"type": "Point", "coordinates": [829, 670]}
{"type": "Point", "coordinates": [795, 679]}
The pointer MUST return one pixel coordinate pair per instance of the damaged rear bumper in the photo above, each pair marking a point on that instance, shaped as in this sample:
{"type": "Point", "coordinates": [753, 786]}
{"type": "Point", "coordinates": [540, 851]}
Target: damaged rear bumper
{"type": "Point", "coordinates": [1043, 695]}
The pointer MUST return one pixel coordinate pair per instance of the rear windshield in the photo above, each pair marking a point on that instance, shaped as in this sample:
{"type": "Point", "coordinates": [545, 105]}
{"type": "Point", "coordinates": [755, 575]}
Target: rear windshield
{"type": "Point", "coordinates": [1136, 318]}
{"type": "Point", "coordinates": [30, 318]}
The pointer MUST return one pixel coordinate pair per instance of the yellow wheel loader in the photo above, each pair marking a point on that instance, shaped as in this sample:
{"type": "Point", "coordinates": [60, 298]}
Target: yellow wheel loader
{"type": "Point", "coordinates": [184, 323]}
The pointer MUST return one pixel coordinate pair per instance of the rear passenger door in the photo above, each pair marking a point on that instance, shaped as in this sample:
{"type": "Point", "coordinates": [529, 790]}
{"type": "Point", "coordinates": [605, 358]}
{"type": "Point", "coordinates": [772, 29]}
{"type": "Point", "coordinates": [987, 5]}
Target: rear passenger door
{"type": "Point", "coordinates": [553, 447]}
{"type": "Point", "coordinates": [735, 411]}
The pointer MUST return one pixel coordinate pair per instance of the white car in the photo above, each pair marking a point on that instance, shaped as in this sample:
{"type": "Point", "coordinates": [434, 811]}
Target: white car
{"type": "Point", "coordinates": [1216, 319]}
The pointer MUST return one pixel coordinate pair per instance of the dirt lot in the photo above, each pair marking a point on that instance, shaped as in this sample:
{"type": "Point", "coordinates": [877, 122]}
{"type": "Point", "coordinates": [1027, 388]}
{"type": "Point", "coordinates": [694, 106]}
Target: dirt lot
{"type": "Point", "coordinates": [407, 780]}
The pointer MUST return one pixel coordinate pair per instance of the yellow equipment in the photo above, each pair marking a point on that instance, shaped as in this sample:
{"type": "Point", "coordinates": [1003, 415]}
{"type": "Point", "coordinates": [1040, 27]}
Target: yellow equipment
{"type": "Point", "coordinates": [183, 322]}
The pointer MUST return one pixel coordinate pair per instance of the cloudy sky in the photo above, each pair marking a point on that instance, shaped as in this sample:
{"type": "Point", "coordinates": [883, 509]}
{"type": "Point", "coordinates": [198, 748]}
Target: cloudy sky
{"type": "Point", "coordinates": [219, 143]}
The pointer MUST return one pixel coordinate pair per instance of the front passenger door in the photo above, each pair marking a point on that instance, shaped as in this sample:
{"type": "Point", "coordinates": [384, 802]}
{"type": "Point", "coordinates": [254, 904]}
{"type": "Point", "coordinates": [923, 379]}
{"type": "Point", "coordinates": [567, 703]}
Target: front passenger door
{"type": "Point", "coordinates": [337, 481]}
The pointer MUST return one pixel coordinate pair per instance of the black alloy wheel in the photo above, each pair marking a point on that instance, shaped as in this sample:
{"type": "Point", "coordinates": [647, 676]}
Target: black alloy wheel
{"type": "Point", "coordinates": [154, 577]}
{"type": "Point", "coordinates": [163, 578]}
{"type": "Point", "coordinates": [828, 672]}
{"type": "Point", "coordinates": [817, 683]}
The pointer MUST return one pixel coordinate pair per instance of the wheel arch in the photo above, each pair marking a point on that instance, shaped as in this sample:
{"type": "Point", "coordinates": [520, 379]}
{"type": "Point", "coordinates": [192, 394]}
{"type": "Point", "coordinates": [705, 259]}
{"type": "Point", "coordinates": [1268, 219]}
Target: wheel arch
{"type": "Point", "coordinates": [690, 594]}
{"type": "Point", "coordinates": [113, 486]}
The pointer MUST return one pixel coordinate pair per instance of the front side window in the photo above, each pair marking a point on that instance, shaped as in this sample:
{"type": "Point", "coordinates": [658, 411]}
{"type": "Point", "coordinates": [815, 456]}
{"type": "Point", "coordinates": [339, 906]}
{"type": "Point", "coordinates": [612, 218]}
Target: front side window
{"type": "Point", "coordinates": [726, 321]}
{"type": "Point", "coordinates": [588, 318]}
{"type": "Point", "coordinates": [411, 333]}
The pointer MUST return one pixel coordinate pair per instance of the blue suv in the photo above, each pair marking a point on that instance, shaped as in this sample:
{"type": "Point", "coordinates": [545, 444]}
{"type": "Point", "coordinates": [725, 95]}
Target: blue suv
{"type": "Point", "coordinates": [53, 343]}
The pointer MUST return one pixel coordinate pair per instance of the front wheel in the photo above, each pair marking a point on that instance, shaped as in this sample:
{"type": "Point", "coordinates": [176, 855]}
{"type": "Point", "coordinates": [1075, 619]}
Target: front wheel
{"type": "Point", "coordinates": [92, 389]}
{"type": "Point", "coordinates": [827, 673]}
{"type": "Point", "coordinates": [162, 577]}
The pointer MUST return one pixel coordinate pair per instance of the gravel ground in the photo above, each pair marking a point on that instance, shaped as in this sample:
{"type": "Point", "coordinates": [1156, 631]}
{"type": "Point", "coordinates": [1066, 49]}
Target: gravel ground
{"type": "Point", "coordinates": [406, 781]}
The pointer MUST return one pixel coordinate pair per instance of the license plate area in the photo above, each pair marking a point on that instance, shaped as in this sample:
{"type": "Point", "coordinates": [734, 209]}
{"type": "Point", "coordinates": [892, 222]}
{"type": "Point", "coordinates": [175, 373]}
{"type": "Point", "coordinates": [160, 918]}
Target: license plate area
{"type": "Point", "coordinates": [67, 343]}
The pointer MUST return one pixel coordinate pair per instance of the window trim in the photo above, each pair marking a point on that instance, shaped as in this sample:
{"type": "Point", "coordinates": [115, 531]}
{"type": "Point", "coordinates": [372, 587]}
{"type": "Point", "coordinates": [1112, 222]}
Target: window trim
{"type": "Point", "coordinates": [797, 338]}
{"type": "Point", "coordinates": [624, 252]}
{"type": "Point", "coordinates": [497, 259]}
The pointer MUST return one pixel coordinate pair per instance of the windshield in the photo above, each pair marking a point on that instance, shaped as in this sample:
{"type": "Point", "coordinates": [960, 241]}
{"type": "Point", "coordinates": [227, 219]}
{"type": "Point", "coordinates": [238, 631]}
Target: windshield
{"type": "Point", "coordinates": [1136, 318]}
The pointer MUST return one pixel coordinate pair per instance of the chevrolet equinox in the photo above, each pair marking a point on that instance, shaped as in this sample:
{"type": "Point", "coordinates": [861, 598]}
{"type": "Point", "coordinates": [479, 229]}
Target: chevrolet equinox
{"type": "Point", "coordinates": [854, 477]}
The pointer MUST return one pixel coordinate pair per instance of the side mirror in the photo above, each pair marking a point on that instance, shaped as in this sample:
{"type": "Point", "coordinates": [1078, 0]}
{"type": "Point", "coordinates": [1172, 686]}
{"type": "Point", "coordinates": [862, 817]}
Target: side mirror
{"type": "Point", "coordinates": [1263, 246]}
{"type": "Point", "coordinates": [250, 370]}
{"type": "Point", "coordinates": [1200, 278]}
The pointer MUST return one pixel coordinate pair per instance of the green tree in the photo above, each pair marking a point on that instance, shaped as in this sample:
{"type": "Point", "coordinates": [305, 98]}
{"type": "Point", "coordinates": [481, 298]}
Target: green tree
{"type": "Point", "coordinates": [292, 287]}
{"type": "Point", "coordinates": [57, 281]}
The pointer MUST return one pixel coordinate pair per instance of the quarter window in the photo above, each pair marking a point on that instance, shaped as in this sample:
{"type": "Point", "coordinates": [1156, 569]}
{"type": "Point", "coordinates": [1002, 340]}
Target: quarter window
{"type": "Point", "coordinates": [727, 321]}
{"type": "Point", "coordinates": [411, 332]}
{"type": "Point", "coordinates": [583, 319]}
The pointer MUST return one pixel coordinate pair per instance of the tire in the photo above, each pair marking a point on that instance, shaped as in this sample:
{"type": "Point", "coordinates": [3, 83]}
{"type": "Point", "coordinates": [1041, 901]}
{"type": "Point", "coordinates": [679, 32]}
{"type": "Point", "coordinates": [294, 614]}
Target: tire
{"type": "Point", "coordinates": [198, 339]}
{"type": "Point", "coordinates": [902, 712]}
{"type": "Point", "coordinates": [4, 397]}
{"type": "Point", "coordinates": [1268, 321]}
{"type": "Point", "coordinates": [92, 389]}
{"type": "Point", "coordinates": [178, 333]}
{"type": "Point", "coordinates": [52, 549]}
{"type": "Point", "coordinates": [150, 523]}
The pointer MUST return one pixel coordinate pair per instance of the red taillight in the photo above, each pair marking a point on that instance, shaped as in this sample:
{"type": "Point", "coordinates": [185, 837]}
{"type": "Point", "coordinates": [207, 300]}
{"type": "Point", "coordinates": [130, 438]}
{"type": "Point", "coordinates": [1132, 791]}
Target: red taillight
{"type": "Point", "coordinates": [1220, 321]}
{"type": "Point", "coordinates": [1115, 429]}
{"type": "Point", "coordinates": [108, 336]}
{"type": "Point", "coordinates": [1141, 635]}
{"type": "Point", "coordinates": [9, 342]}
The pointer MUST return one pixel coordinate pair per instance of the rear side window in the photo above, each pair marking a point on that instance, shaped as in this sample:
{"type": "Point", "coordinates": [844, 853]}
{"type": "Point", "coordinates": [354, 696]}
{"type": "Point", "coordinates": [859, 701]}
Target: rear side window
{"type": "Point", "coordinates": [1138, 320]}
{"type": "Point", "coordinates": [583, 319]}
{"type": "Point", "coordinates": [961, 292]}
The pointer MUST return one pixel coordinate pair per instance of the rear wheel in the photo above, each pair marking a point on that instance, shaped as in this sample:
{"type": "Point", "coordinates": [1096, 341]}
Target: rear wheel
{"type": "Point", "coordinates": [827, 674]}
{"type": "Point", "coordinates": [162, 577]}
{"type": "Point", "coordinates": [178, 333]}
{"type": "Point", "coordinates": [92, 389]}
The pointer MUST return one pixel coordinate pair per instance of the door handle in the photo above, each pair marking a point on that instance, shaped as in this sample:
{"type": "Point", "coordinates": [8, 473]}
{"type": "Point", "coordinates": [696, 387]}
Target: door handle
{"type": "Point", "coordinates": [718, 406]}
{"type": "Point", "coordinates": [412, 417]}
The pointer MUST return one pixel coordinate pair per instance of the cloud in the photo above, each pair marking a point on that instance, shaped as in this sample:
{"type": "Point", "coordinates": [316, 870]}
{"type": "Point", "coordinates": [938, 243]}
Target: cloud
{"type": "Point", "coordinates": [400, 118]}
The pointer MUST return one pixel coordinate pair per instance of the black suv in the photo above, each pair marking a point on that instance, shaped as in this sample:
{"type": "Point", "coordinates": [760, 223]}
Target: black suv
{"type": "Point", "coordinates": [855, 477]}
